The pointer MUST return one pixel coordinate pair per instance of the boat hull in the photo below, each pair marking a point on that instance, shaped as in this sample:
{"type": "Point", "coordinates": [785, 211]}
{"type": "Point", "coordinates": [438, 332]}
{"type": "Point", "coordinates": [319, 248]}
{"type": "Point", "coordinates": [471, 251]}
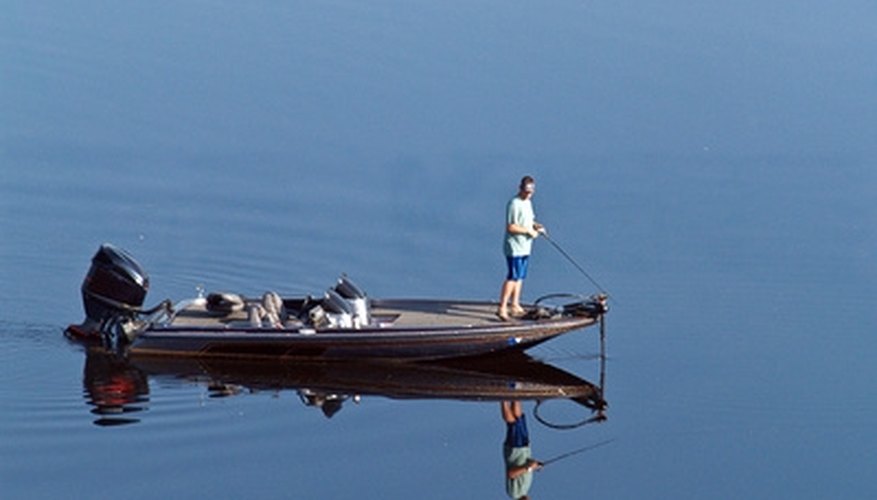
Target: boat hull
{"type": "Point", "coordinates": [413, 344]}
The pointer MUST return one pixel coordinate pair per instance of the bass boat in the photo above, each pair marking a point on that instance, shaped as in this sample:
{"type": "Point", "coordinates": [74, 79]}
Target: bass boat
{"type": "Point", "coordinates": [343, 323]}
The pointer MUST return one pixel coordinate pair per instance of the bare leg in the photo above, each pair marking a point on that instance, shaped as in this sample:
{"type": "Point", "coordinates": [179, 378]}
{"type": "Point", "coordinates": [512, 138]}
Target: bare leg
{"type": "Point", "coordinates": [507, 294]}
{"type": "Point", "coordinates": [511, 411]}
{"type": "Point", "coordinates": [516, 296]}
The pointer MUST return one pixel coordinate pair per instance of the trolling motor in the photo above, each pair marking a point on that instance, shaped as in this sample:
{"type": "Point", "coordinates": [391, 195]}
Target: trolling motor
{"type": "Point", "coordinates": [593, 306]}
{"type": "Point", "coordinates": [112, 294]}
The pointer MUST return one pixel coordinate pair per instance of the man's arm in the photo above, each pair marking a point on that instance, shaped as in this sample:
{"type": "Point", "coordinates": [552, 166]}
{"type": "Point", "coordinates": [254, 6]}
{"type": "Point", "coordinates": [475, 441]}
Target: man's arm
{"type": "Point", "coordinates": [516, 229]}
{"type": "Point", "coordinates": [531, 465]}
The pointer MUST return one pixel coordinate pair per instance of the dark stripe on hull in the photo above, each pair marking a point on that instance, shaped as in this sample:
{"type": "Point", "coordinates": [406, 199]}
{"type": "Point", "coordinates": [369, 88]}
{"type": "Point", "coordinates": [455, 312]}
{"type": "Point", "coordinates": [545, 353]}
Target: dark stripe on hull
{"type": "Point", "coordinates": [354, 344]}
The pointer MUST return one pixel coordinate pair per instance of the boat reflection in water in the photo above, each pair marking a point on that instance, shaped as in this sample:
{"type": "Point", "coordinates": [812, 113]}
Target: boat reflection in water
{"type": "Point", "coordinates": [118, 387]}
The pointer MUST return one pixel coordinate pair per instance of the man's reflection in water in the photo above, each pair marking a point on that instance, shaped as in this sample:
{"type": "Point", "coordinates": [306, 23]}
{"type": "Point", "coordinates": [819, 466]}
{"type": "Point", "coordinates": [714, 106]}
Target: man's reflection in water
{"type": "Point", "coordinates": [519, 464]}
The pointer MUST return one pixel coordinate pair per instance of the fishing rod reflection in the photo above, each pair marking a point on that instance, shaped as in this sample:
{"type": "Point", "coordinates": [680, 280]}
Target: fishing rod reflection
{"type": "Point", "coordinates": [520, 465]}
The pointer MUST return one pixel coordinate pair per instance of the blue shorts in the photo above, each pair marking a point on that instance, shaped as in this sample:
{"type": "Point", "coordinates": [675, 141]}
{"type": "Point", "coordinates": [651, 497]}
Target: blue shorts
{"type": "Point", "coordinates": [516, 434]}
{"type": "Point", "coordinates": [517, 267]}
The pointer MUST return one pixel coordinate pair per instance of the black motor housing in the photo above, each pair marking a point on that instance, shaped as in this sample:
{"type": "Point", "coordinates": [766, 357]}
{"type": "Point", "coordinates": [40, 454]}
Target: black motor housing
{"type": "Point", "coordinates": [115, 284]}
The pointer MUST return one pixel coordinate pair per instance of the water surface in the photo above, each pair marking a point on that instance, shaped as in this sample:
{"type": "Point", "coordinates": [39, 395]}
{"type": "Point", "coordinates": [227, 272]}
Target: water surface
{"type": "Point", "coordinates": [712, 165]}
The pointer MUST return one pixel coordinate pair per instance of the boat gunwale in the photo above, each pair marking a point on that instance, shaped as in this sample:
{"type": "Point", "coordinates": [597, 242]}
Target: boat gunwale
{"type": "Point", "coordinates": [485, 336]}
{"type": "Point", "coordinates": [571, 323]}
{"type": "Point", "coordinates": [480, 326]}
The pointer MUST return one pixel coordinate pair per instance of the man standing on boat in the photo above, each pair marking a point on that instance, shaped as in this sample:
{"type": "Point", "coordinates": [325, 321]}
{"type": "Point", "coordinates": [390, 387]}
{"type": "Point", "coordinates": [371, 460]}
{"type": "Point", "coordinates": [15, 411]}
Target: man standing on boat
{"type": "Point", "coordinates": [521, 230]}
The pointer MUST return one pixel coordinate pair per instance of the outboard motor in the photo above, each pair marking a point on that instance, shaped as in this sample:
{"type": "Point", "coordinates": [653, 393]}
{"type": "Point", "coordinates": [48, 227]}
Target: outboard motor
{"type": "Point", "coordinates": [115, 286]}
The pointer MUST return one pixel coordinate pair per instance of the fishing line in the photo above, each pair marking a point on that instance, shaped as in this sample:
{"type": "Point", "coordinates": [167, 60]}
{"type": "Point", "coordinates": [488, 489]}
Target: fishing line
{"type": "Point", "coordinates": [576, 264]}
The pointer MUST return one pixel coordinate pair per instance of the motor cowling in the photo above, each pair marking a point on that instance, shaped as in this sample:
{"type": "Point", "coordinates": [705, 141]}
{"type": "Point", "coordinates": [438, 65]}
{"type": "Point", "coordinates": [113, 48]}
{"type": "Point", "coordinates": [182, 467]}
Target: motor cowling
{"type": "Point", "coordinates": [115, 285]}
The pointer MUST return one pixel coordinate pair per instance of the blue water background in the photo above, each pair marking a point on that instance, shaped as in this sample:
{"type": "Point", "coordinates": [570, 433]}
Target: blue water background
{"type": "Point", "coordinates": [711, 164]}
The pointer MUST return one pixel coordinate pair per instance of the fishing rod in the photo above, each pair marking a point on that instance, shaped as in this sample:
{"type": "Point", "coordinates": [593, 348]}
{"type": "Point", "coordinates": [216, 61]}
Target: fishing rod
{"type": "Point", "coordinates": [575, 452]}
{"type": "Point", "coordinates": [574, 263]}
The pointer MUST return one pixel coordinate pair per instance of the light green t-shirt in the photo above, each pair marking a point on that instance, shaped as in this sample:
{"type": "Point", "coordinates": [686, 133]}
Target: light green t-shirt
{"type": "Point", "coordinates": [519, 212]}
{"type": "Point", "coordinates": [517, 457]}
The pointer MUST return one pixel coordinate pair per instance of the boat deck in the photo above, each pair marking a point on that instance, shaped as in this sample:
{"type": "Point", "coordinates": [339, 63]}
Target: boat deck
{"type": "Point", "coordinates": [418, 313]}
{"type": "Point", "coordinates": [385, 313]}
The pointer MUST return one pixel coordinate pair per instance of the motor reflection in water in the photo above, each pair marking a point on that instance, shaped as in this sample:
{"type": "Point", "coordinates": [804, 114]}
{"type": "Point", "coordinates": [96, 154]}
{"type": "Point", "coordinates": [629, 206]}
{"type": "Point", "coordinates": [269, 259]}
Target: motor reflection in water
{"type": "Point", "coordinates": [114, 388]}
{"type": "Point", "coordinates": [118, 387]}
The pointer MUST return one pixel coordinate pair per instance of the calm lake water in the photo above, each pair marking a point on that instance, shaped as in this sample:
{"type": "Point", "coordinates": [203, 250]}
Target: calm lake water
{"type": "Point", "coordinates": [711, 164]}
